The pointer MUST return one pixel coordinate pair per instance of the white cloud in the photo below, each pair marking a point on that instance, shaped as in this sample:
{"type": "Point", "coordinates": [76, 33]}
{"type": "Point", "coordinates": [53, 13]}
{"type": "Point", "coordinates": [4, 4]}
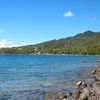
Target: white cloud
{"type": "Point", "coordinates": [68, 14]}
{"type": "Point", "coordinates": [5, 43]}
{"type": "Point", "coordinates": [94, 18]}
{"type": "Point", "coordinates": [17, 45]}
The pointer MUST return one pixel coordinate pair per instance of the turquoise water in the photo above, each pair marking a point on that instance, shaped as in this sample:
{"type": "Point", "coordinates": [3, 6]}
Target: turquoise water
{"type": "Point", "coordinates": [32, 72]}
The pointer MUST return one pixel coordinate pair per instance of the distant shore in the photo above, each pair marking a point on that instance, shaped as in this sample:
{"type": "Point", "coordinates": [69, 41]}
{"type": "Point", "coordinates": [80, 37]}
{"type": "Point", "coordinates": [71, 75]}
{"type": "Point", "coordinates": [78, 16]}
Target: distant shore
{"type": "Point", "coordinates": [54, 54]}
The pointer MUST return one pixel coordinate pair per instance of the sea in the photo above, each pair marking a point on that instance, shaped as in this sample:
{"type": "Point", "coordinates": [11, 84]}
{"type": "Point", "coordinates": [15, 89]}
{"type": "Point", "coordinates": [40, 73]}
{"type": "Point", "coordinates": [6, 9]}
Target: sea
{"type": "Point", "coordinates": [26, 77]}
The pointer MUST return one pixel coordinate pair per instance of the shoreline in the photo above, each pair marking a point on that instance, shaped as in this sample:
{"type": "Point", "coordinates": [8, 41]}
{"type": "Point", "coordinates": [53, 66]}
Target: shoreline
{"type": "Point", "coordinates": [88, 89]}
{"type": "Point", "coordinates": [81, 89]}
{"type": "Point", "coordinates": [55, 54]}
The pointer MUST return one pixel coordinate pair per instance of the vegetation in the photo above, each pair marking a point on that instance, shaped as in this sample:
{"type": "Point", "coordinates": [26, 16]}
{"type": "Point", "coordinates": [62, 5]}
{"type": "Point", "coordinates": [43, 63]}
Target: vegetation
{"type": "Point", "coordinates": [87, 43]}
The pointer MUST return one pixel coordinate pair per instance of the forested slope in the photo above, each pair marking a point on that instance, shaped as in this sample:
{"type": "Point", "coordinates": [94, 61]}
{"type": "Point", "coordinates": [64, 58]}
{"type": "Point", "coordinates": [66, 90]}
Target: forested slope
{"type": "Point", "coordinates": [82, 43]}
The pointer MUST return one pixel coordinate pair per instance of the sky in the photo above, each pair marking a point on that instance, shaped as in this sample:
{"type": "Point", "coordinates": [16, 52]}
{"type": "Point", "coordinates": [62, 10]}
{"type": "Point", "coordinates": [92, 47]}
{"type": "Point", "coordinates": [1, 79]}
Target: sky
{"type": "Point", "coordinates": [24, 22]}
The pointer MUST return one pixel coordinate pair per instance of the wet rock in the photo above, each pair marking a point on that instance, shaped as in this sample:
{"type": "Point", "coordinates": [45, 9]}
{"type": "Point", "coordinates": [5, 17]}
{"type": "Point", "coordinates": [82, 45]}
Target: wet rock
{"type": "Point", "coordinates": [61, 96]}
{"type": "Point", "coordinates": [96, 72]}
{"type": "Point", "coordinates": [47, 96]}
{"type": "Point", "coordinates": [69, 94]}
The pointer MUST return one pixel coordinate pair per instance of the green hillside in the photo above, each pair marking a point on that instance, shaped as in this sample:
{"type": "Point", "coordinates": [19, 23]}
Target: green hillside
{"type": "Point", "coordinates": [83, 43]}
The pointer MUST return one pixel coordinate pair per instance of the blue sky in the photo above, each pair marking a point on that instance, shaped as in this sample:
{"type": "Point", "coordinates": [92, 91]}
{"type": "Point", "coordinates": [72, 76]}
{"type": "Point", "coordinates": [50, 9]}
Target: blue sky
{"type": "Point", "coordinates": [33, 21]}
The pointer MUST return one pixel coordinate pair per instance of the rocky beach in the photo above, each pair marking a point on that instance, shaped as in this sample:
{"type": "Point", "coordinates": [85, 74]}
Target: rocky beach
{"type": "Point", "coordinates": [88, 89]}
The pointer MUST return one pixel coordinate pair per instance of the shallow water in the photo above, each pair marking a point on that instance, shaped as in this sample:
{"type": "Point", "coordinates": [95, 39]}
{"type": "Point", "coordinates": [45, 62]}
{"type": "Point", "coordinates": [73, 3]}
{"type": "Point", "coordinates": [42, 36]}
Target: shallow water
{"type": "Point", "coordinates": [21, 76]}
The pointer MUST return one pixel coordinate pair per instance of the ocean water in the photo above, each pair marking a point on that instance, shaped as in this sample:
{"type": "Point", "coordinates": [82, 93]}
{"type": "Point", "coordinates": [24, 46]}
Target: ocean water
{"type": "Point", "coordinates": [21, 76]}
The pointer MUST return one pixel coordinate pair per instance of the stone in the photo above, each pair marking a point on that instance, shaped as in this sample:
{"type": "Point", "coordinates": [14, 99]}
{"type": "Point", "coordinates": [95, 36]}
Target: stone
{"type": "Point", "coordinates": [64, 99]}
{"type": "Point", "coordinates": [69, 94]}
{"type": "Point", "coordinates": [90, 85]}
{"type": "Point", "coordinates": [47, 97]}
{"type": "Point", "coordinates": [61, 96]}
{"type": "Point", "coordinates": [84, 95]}
{"type": "Point", "coordinates": [77, 94]}
{"type": "Point", "coordinates": [84, 84]}
{"type": "Point", "coordinates": [93, 72]}
{"type": "Point", "coordinates": [79, 83]}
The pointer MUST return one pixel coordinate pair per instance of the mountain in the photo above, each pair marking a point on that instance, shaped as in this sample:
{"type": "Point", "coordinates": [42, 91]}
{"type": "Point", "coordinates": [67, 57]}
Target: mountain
{"type": "Point", "coordinates": [82, 43]}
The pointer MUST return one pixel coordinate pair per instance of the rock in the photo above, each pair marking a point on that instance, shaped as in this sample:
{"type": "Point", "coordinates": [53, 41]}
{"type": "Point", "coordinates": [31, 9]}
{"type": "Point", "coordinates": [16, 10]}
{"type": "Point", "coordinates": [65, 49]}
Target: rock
{"type": "Point", "coordinates": [47, 97]}
{"type": "Point", "coordinates": [64, 99]}
{"type": "Point", "coordinates": [84, 84]}
{"type": "Point", "coordinates": [77, 94]}
{"type": "Point", "coordinates": [96, 72]}
{"type": "Point", "coordinates": [95, 78]}
{"type": "Point", "coordinates": [93, 72]}
{"type": "Point", "coordinates": [98, 83]}
{"type": "Point", "coordinates": [69, 94]}
{"type": "Point", "coordinates": [79, 83]}
{"type": "Point", "coordinates": [96, 97]}
{"type": "Point", "coordinates": [84, 95]}
{"type": "Point", "coordinates": [61, 96]}
{"type": "Point", "coordinates": [90, 85]}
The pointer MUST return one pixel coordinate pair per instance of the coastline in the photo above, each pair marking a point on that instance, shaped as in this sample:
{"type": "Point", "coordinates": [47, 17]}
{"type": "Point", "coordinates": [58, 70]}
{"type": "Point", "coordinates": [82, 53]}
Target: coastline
{"type": "Point", "coordinates": [76, 89]}
{"type": "Point", "coordinates": [88, 89]}
{"type": "Point", "coordinates": [84, 89]}
{"type": "Point", "coordinates": [50, 54]}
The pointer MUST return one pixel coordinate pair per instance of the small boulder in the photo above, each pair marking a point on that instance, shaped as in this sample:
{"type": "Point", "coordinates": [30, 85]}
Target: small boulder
{"type": "Point", "coordinates": [85, 94]}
